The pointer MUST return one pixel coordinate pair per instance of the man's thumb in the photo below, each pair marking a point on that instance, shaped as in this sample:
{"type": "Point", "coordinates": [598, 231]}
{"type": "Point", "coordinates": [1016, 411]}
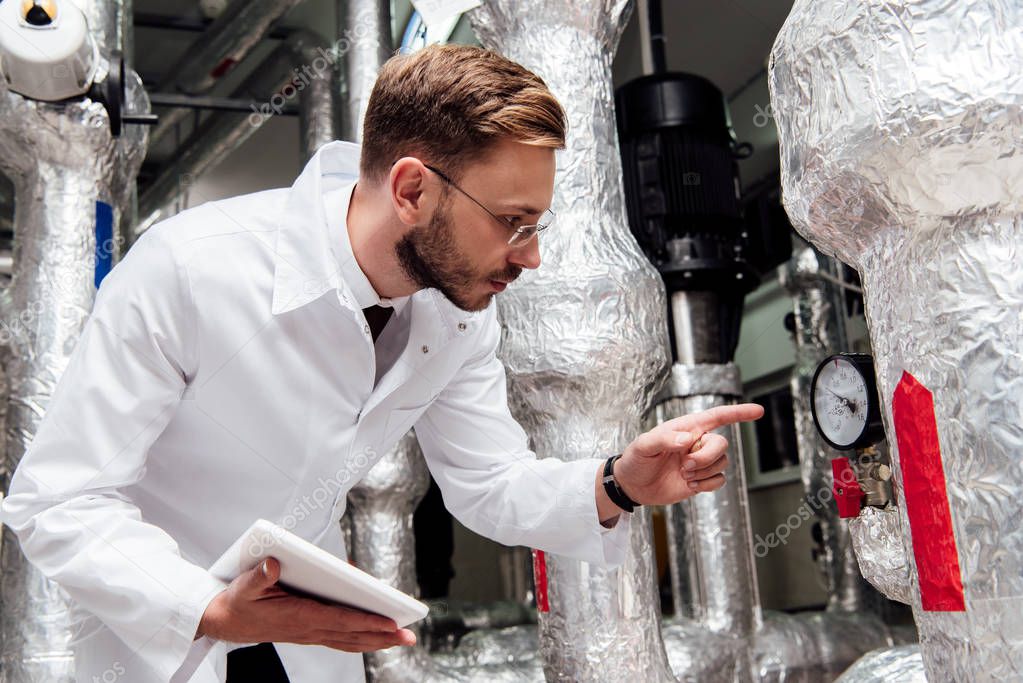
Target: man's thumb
{"type": "Point", "coordinates": [263, 575]}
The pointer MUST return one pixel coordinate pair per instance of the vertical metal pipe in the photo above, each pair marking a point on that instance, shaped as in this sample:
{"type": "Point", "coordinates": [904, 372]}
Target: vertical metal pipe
{"type": "Point", "coordinates": [65, 167]}
{"type": "Point", "coordinates": [715, 567]}
{"type": "Point", "coordinates": [810, 279]}
{"type": "Point", "coordinates": [585, 335]}
{"type": "Point", "coordinates": [908, 170]}
{"type": "Point", "coordinates": [317, 74]}
{"type": "Point", "coordinates": [380, 508]}
{"type": "Point", "coordinates": [365, 27]}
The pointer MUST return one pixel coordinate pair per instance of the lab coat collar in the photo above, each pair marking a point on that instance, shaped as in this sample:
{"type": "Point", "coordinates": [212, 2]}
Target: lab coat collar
{"type": "Point", "coordinates": [305, 265]}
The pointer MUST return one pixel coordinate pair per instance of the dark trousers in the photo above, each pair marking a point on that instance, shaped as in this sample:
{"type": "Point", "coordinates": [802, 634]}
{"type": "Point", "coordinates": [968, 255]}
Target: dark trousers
{"type": "Point", "coordinates": [255, 664]}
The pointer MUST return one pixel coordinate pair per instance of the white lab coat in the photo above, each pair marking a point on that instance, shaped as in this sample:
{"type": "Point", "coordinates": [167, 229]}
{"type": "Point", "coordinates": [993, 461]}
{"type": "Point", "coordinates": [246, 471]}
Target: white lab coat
{"type": "Point", "coordinates": [227, 374]}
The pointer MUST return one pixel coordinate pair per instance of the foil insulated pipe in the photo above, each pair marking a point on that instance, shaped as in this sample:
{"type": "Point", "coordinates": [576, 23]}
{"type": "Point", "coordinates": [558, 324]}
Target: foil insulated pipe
{"type": "Point", "coordinates": [366, 24]}
{"type": "Point", "coordinates": [229, 39]}
{"type": "Point", "coordinates": [714, 577]}
{"type": "Point", "coordinates": [318, 115]}
{"type": "Point", "coordinates": [811, 647]}
{"type": "Point", "coordinates": [380, 507]}
{"type": "Point", "coordinates": [585, 338]}
{"type": "Point", "coordinates": [901, 147]}
{"type": "Point", "coordinates": [810, 279]}
{"type": "Point", "coordinates": [876, 537]}
{"type": "Point", "coordinates": [714, 568]}
{"type": "Point", "coordinates": [69, 174]}
{"type": "Point", "coordinates": [224, 132]}
{"type": "Point", "coordinates": [726, 593]}
{"type": "Point", "coordinates": [903, 664]}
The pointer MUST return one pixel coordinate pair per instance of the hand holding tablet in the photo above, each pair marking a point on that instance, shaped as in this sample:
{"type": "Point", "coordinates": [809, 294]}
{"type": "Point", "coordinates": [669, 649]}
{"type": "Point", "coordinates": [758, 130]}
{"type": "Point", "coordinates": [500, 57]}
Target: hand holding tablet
{"type": "Point", "coordinates": [257, 608]}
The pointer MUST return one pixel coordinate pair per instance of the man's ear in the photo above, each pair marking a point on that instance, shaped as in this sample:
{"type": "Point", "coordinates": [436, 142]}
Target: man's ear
{"type": "Point", "coordinates": [412, 195]}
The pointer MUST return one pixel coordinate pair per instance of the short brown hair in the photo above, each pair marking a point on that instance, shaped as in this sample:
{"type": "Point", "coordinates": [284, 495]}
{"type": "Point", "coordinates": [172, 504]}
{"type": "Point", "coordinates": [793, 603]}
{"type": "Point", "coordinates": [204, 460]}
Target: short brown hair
{"type": "Point", "coordinates": [449, 103]}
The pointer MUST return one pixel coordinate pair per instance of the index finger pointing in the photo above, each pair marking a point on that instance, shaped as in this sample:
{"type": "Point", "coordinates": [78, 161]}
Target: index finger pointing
{"type": "Point", "coordinates": [719, 416]}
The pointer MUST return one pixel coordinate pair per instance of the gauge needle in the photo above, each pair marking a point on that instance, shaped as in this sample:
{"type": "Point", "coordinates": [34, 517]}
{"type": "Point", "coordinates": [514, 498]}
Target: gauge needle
{"type": "Point", "coordinates": [849, 403]}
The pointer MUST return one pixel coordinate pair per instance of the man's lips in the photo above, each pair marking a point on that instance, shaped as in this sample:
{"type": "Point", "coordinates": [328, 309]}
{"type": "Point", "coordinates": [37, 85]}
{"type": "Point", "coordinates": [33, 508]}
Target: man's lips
{"type": "Point", "coordinates": [498, 285]}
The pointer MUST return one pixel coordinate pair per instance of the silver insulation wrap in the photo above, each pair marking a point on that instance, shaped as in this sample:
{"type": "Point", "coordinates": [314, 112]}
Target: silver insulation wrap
{"type": "Point", "coordinates": [585, 341]}
{"type": "Point", "coordinates": [903, 664]}
{"type": "Point", "coordinates": [221, 133]}
{"type": "Point", "coordinates": [813, 646]}
{"type": "Point", "coordinates": [231, 38]}
{"type": "Point", "coordinates": [900, 140]}
{"type": "Point", "coordinates": [713, 560]}
{"type": "Point", "coordinates": [366, 24]}
{"type": "Point", "coordinates": [810, 277]}
{"type": "Point", "coordinates": [876, 536]}
{"type": "Point", "coordinates": [380, 508]}
{"type": "Point", "coordinates": [315, 78]}
{"type": "Point", "coordinates": [62, 161]}
{"type": "Point", "coordinates": [697, 655]}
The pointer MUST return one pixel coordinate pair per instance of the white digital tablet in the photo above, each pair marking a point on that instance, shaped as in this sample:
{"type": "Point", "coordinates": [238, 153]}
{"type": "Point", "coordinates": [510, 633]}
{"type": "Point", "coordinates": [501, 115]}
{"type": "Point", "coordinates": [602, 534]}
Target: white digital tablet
{"type": "Point", "coordinates": [314, 571]}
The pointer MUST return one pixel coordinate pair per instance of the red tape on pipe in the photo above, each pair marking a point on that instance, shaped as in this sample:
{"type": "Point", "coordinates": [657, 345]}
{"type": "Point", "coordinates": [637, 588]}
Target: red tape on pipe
{"type": "Point", "coordinates": [926, 498]}
{"type": "Point", "coordinates": [540, 578]}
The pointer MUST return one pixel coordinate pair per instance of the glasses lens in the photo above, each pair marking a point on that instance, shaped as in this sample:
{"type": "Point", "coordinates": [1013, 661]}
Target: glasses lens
{"type": "Point", "coordinates": [546, 219]}
{"type": "Point", "coordinates": [523, 235]}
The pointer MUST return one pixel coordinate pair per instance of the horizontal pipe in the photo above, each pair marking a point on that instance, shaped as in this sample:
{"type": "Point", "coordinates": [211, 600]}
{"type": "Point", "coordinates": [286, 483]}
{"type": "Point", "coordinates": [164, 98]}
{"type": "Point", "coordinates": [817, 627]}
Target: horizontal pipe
{"type": "Point", "coordinates": [211, 103]}
{"type": "Point", "coordinates": [187, 24]}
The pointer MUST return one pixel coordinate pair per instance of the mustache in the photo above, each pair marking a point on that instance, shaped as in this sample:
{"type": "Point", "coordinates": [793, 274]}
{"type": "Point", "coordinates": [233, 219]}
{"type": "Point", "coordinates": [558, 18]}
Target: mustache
{"type": "Point", "coordinates": [507, 275]}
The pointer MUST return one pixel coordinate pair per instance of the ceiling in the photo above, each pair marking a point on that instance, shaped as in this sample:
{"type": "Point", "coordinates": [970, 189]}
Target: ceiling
{"type": "Point", "coordinates": [727, 41]}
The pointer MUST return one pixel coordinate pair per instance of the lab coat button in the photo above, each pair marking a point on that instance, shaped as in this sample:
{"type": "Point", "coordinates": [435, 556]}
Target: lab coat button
{"type": "Point", "coordinates": [366, 329]}
{"type": "Point", "coordinates": [461, 327]}
{"type": "Point", "coordinates": [426, 349]}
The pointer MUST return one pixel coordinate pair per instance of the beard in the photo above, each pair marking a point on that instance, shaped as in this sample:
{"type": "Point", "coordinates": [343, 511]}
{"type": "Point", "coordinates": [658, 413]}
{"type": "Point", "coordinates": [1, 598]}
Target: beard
{"type": "Point", "coordinates": [430, 257]}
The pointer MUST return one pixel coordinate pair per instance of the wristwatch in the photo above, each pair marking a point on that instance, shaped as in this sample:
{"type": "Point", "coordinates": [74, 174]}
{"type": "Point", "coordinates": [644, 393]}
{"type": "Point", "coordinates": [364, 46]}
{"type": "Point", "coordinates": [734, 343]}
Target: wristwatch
{"type": "Point", "coordinates": [613, 490]}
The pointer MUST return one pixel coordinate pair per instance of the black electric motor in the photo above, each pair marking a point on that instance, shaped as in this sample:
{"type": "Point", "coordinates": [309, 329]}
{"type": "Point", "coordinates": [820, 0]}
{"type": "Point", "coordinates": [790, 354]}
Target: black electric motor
{"type": "Point", "coordinates": [679, 158]}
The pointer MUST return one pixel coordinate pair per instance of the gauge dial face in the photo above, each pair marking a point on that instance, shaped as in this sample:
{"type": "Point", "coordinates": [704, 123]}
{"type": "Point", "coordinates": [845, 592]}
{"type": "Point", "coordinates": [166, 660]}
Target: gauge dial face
{"type": "Point", "coordinates": [840, 401]}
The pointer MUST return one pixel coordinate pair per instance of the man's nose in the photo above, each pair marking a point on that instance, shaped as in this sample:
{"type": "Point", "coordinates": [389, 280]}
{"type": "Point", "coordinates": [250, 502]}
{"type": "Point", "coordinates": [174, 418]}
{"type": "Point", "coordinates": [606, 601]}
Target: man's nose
{"type": "Point", "coordinates": [526, 255]}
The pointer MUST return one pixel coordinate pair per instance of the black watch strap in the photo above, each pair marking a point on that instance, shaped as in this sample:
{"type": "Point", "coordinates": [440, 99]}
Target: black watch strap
{"type": "Point", "coordinates": [613, 490]}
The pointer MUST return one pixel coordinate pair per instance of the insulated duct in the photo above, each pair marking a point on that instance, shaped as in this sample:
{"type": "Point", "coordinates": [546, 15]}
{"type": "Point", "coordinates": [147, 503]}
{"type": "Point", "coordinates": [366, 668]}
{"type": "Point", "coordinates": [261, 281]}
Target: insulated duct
{"type": "Point", "coordinates": [725, 593]}
{"type": "Point", "coordinates": [714, 581]}
{"type": "Point", "coordinates": [903, 664]}
{"type": "Point", "coordinates": [236, 32]}
{"type": "Point", "coordinates": [876, 537]}
{"type": "Point", "coordinates": [812, 279]}
{"type": "Point", "coordinates": [900, 143]}
{"type": "Point", "coordinates": [380, 507]}
{"type": "Point", "coordinates": [366, 25]}
{"type": "Point", "coordinates": [222, 133]}
{"type": "Point", "coordinates": [72, 180]}
{"type": "Point", "coordinates": [584, 338]}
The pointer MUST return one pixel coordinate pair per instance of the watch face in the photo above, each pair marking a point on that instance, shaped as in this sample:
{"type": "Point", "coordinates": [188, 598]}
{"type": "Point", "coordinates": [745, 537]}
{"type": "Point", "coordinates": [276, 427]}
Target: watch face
{"type": "Point", "coordinates": [840, 401]}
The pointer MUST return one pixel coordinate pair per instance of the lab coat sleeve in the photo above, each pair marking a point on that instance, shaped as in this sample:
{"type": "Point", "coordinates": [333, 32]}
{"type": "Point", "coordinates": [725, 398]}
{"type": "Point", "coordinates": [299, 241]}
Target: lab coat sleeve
{"type": "Point", "coordinates": [66, 502]}
{"type": "Point", "coordinates": [493, 484]}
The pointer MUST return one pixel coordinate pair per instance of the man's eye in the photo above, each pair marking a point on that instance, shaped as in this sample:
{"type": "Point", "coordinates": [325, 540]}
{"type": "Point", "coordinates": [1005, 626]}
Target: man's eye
{"type": "Point", "coordinates": [514, 221]}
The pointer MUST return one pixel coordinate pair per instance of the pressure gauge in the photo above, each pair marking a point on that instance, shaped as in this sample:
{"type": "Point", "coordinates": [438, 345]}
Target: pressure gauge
{"type": "Point", "coordinates": [843, 400]}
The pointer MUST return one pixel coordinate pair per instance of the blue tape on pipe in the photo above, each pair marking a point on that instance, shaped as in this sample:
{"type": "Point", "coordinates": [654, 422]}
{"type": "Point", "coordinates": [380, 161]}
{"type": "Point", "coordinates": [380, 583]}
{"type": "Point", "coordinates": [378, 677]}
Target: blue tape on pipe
{"type": "Point", "coordinates": [104, 241]}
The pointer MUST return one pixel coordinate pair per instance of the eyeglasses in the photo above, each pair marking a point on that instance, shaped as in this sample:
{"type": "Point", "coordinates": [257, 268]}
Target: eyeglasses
{"type": "Point", "coordinates": [522, 234]}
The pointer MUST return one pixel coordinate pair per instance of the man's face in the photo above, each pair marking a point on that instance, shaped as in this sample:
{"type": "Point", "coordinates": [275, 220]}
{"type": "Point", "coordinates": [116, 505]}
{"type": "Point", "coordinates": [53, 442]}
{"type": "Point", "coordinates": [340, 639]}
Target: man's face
{"type": "Point", "coordinates": [463, 251]}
